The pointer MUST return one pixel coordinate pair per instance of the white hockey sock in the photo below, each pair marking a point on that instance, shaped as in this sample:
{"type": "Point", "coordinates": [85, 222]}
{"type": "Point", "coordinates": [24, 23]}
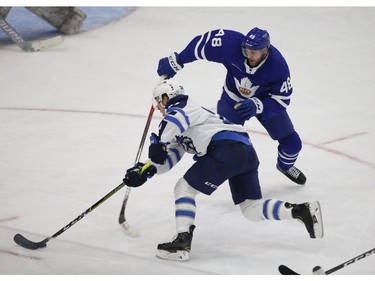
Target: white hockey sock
{"type": "Point", "coordinates": [185, 205]}
{"type": "Point", "coordinates": [265, 209]}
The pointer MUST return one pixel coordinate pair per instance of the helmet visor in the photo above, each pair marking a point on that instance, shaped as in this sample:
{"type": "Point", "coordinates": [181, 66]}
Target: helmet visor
{"type": "Point", "coordinates": [251, 53]}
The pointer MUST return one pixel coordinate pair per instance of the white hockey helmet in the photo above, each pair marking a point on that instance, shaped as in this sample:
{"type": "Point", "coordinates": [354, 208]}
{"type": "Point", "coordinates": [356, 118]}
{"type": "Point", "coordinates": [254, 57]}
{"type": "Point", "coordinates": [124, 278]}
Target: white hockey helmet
{"type": "Point", "coordinates": [168, 88]}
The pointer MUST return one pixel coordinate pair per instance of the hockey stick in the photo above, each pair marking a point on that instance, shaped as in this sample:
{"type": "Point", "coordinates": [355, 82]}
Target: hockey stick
{"type": "Point", "coordinates": [317, 270]}
{"type": "Point", "coordinates": [121, 219]}
{"type": "Point", "coordinates": [27, 46]}
{"type": "Point", "coordinates": [28, 244]}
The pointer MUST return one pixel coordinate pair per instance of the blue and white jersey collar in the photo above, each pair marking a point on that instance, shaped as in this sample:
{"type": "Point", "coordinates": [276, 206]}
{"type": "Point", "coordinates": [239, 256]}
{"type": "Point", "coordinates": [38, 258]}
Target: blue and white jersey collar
{"type": "Point", "coordinates": [252, 70]}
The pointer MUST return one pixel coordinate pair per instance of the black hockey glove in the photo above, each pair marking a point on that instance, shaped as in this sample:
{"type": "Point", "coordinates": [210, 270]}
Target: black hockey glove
{"type": "Point", "coordinates": [157, 151]}
{"type": "Point", "coordinates": [139, 174]}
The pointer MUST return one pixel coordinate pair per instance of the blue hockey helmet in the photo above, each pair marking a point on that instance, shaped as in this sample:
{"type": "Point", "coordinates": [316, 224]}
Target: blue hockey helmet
{"type": "Point", "coordinates": [256, 39]}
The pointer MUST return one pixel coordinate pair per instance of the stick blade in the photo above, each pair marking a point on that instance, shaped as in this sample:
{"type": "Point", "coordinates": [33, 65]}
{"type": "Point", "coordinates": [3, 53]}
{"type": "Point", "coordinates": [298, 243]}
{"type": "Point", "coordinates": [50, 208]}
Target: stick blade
{"type": "Point", "coordinates": [39, 45]}
{"type": "Point", "coordinates": [284, 270]}
{"type": "Point", "coordinates": [26, 243]}
{"type": "Point", "coordinates": [129, 230]}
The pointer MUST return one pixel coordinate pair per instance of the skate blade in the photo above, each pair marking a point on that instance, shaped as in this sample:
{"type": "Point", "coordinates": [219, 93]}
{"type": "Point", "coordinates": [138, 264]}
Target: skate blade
{"type": "Point", "coordinates": [177, 256]}
{"type": "Point", "coordinates": [316, 214]}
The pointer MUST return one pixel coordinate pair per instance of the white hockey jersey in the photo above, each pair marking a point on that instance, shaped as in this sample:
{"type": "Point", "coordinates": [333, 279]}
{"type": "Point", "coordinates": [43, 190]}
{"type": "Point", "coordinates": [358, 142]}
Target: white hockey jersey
{"type": "Point", "coordinates": [187, 127]}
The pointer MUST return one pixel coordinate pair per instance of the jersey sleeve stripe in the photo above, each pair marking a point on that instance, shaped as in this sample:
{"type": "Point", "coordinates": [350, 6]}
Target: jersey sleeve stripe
{"type": "Point", "coordinates": [280, 100]}
{"type": "Point", "coordinates": [176, 122]}
{"type": "Point", "coordinates": [203, 55]}
{"type": "Point", "coordinates": [181, 112]}
{"type": "Point", "coordinates": [196, 48]}
{"type": "Point", "coordinates": [176, 153]}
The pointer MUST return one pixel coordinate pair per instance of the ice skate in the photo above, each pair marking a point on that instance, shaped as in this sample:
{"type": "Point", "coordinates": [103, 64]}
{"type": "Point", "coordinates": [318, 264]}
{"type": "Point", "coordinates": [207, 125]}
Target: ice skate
{"type": "Point", "coordinates": [310, 214]}
{"type": "Point", "coordinates": [294, 174]}
{"type": "Point", "coordinates": [179, 248]}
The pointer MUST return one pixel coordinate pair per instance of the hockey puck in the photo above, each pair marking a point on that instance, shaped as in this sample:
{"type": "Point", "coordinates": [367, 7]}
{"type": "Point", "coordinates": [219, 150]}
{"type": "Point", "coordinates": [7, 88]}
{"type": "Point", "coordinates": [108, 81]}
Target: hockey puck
{"type": "Point", "coordinates": [317, 270]}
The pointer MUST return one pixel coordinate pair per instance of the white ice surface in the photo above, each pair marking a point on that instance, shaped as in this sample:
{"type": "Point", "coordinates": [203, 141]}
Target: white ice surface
{"type": "Point", "coordinates": [71, 119]}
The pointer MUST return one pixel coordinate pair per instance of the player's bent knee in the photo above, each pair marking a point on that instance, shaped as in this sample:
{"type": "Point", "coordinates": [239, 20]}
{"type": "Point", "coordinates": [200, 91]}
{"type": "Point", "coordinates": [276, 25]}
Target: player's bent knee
{"type": "Point", "coordinates": [183, 189]}
{"type": "Point", "coordinates": [291, 143]}
{"type": "Point", "coordinates": [251, 209]}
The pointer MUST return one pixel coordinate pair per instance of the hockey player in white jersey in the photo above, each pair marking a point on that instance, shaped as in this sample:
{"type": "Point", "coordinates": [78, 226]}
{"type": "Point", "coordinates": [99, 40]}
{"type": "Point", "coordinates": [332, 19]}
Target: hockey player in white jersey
{"type": "Point", "coordinates": [223, 151]}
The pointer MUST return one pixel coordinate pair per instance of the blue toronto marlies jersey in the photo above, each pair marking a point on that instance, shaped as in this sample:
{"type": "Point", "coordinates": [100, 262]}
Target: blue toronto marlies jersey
{"type": "Point", "coordinates": [269, 81]}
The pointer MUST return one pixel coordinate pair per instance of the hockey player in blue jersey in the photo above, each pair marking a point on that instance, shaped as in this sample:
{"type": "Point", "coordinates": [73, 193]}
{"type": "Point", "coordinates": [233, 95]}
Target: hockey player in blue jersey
{"type": "Point", "coordinates": [257, 84]}
{"type": "Point", "coordinates": [223, 151]}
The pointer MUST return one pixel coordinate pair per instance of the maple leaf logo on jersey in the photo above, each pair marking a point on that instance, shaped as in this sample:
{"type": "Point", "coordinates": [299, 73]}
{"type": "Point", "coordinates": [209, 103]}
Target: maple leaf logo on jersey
{"type": "Point", "coordinates": [245, 87]}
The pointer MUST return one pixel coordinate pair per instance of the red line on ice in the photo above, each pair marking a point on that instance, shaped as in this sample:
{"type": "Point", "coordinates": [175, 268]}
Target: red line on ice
{"type": "Point", "coordinates": [345, 138]}
{"type": "Point", "coordinates": [333, 151]}
{"type": "Point", "coordinates": [70, 111]}
{"type": "Point", "coordinates": [8, 219]}
{"type": "Point", "coordinates": [20, 255]}
{"type": "Point", "coordinates": [318, 146]}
